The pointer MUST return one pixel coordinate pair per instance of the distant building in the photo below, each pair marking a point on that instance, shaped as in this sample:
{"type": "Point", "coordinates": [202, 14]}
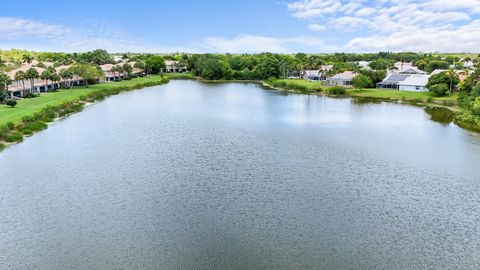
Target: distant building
{"type": "Point", "coordinates": [364, 64]}
{"type": "Point", "coordinates": [174, 67]}
{"type": "Point", "coordinates": [406, 68]}
{"type": "Point", "coordinates": [341, 79]}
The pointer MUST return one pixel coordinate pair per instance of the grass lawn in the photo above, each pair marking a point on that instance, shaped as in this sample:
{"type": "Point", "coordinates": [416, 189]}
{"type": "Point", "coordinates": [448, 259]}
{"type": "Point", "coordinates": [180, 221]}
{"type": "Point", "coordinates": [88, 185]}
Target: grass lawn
{"type": "Point", "coordinates": [395, 94]}
{"type": "Point", "coordinates": [371, 93]}
{"type": "Point", "coordinates": [308, 84]}
{"type": "Point", "coordinates": [34, 105]}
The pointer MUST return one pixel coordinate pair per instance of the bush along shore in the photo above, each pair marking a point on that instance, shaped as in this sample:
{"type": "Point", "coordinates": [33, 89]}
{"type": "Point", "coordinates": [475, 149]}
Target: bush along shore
{"type": "Point", "coordinates": [11, 133]}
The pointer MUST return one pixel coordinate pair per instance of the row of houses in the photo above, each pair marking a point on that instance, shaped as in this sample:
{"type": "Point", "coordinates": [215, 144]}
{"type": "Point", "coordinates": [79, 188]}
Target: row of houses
{"type": "Point", "coordinates": [19, 88]}
{"type": "Point", "coordinates": [322, 75]}
{"type": "Point", "coordinates": [403, 77]}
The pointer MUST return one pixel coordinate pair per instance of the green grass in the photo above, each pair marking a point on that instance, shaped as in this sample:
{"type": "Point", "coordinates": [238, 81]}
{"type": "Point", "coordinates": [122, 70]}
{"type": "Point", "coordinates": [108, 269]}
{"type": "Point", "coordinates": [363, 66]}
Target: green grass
{"type": "Point", "coordinates": [425, 97]}
{"type": "Point", "coordinates": [27, 107]}
{"type": "Point", "coordinates": [395, 94]}
{"type": "Point", "coordinates": [302, 83]}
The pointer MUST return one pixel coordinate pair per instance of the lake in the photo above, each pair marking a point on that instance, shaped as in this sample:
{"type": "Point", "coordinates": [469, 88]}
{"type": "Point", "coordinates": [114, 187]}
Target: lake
{"type": "Point", "coordinates": [190, 175]}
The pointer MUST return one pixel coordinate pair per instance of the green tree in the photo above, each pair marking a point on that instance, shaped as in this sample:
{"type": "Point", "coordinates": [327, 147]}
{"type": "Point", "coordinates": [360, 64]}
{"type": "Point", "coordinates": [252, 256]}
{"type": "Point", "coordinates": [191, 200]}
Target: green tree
{"type": "Point", "coordinates": [140, 64]}
{"type": "Point", "coordinates": [90, 73]}
{"type": "Point", "coordinates": [26, 58]}
{"type": "Point", "coordinates": [127, 68]}
{"type": "Point", "coordinates": [476, 106]}
{"type": "Point", "coordinates": [21, 76]}
{"type": "Point", "coordinates": [5, 81]}
{"type": "Point", "coordinates": [436, 64]}
{"type": "Point", "coordinates": [449, 78]}
{"type": "Point", "coordinates": [215, 69]}
{"type": "Point", "coordinates": [380, 64]}
{"type": "Point", "coordinates": [361, 81]}
{"type": "Point", "coordinates": [439, 90]}
{"type": "Point", "coordinates": [32, 74]}
{"type": "Point", "coordinates": [67, 76]}
{"type": "Point", "coordinates": [155, 64]}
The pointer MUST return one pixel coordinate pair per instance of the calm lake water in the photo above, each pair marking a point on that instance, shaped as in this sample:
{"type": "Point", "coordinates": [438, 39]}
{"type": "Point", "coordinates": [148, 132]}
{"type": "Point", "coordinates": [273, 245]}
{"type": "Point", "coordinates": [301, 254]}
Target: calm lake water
{"type": "Point", "coordinates": [232, 176]}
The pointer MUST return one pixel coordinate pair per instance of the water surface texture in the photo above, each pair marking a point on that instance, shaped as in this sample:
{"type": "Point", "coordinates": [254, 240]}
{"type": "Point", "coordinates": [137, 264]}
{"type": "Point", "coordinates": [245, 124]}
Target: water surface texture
{"type": "Point", "coordinates": [232, 176]}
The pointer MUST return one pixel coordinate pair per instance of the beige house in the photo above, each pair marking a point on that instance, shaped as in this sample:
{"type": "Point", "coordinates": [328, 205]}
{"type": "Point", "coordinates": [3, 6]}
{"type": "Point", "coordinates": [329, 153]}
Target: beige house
{"type": "Point", "coordinates": [342, 79]}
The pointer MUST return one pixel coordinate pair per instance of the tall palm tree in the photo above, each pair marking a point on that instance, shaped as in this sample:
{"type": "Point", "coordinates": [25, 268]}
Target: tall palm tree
{"type": "Point", "coordinates": [32, 74]}
{"type": "Point", "coordinates": [66, 75]}
{"type": "Point", "coordinates": [26, 58]}
{"type": "Point", "coordinates": [5, 81]}
{"type": "Point", "coordinates": [21, 76]}
{"type": "Point", "coordinates": [451, 75]}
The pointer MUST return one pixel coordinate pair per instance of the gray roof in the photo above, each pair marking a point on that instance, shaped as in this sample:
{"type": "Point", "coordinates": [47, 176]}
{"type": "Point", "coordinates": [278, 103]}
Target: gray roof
{"type": "Point", "coordinates": [416, 80]}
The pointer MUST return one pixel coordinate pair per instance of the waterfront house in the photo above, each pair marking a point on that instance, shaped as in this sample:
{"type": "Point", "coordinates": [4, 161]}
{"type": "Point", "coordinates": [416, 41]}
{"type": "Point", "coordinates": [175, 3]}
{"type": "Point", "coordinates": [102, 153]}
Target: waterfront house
{"type": "Point", "coordinates": [174, 67]}
{"type": "Point", "coordinates": [109, 75]}
{"type": "Point", "coordinates": [311, 75]}
{"type": "Point", "coordinates": [414, 82]}
{"type": "Point", "coordinates": [342, 79]}
{"type": "Point", "coordinates": [405, 82]}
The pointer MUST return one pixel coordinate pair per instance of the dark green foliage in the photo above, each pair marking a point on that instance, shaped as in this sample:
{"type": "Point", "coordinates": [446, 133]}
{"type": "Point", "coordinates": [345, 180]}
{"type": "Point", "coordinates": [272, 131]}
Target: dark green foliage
{"type": "Point", "coordinates": [439, 90]}
{"type": "Point", "coordinates": [11, 102]}
{"type": "Point", "coordinates": [14, 137]}
{"type": "Point", "coordinates": [337, 90]}
{"type": "Point", "coordinates": [436, 64]}
{"type": "Point", "coordinates": [444, 78]}
{"type": "Point", "coordinates": [31, 95]}
{"type": "Point", "coordinates": [155, 64]}
{"type": "Point", "coordinates": [361, 81]}
{"type": "Point", "coordinates": [380, 64]}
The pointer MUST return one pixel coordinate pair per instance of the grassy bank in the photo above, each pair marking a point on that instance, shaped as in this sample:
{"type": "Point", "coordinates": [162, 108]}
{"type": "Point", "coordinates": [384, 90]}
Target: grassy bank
{"type": "Point", "coordinates": [308, 87]}
{"type": "Point", "coordinates": [32, 115]}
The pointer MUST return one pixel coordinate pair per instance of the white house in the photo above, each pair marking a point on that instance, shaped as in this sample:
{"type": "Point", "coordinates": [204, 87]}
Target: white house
{"type": "Point", "coordinates": [414, 82]}
{"type": "Point", "coordinates": [364, 64]}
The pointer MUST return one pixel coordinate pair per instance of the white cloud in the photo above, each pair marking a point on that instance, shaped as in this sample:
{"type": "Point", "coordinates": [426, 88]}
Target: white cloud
{"type": "Point", "coordinates": [317, 27]}
{"type": "Point", "coordinates": [259, 44]}
{"type": "Point", "coordinates": [427, 25]}
{"type": "Point", "coordinates": [462, 39]}
{"type": "Point", "coordinates": [314, 8]}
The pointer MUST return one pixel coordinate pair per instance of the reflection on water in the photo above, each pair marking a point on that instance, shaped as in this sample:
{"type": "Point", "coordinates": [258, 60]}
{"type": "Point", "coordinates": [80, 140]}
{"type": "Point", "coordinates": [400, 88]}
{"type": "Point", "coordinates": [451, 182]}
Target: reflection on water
{"type": "Point", "coordinates": [231, 176]}
{"type": "Point", "coordinates": [440, 114]}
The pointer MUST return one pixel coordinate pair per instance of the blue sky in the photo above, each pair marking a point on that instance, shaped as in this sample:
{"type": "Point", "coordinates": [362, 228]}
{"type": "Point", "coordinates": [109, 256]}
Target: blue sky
{"type": "Point", "coordinates": [247, 26]}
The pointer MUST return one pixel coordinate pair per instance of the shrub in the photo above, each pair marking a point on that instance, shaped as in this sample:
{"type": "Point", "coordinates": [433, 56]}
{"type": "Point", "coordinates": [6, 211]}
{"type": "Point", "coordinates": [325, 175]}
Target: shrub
{"type": "Point", "coordinates": [361, 81]}
{"type": "Point", "coordinates": [337, 90]}
{"type": "Point", "coordinates": [15, 137]}
{"type": "Point", "coordinates": [30, 95]}
{"type": "Point", "coordinates": [2, 146]}
{"type": "Point", "coordinates": [439, 89]}
{"type": "Point", "coordinates": [11, 102]}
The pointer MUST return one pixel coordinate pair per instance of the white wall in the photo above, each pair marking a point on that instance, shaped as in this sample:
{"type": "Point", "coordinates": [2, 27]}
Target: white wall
{"type": "Point", "coordinates": [412, 88]}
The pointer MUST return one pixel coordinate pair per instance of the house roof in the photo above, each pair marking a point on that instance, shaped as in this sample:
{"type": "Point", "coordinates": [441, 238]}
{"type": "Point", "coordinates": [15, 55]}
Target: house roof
{"type": "Point", "coordinates": [312, 72]}
{"type": "Point", "coordinates": [326, 67]}
{"type": "Point", "coordinates": [346, 75]}
{"type": "Point", "coordinates": [415, 80]}
{"type": "Point", "coordinates": [395, 78]}
{"type": "Point", "coordinates": [407, 68]}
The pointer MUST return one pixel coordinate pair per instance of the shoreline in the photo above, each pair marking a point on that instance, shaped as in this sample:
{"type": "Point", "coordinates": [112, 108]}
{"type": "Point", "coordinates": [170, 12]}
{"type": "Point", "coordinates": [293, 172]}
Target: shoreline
{"type": "Point", "coordinates": [14, 132]}
{"type": "Point", "coordinates": [31, 124]}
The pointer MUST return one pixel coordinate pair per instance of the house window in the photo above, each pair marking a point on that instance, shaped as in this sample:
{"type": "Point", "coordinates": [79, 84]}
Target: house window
{"type": "Point", "coordinates": [417, 87]}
